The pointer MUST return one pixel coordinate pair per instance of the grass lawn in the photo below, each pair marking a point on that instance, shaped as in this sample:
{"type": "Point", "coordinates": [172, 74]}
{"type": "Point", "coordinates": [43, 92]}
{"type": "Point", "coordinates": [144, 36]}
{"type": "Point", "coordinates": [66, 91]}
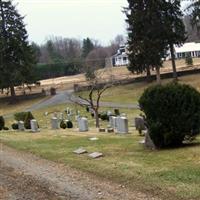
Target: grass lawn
{"type": "Point", "coordinates": [173, 174]}
{"type": "Point", "coordinates": [130, 93]}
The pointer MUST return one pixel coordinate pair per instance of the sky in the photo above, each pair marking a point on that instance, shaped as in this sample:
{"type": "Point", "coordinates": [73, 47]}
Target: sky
{"type": "Point", "coordinates": [97, 19]}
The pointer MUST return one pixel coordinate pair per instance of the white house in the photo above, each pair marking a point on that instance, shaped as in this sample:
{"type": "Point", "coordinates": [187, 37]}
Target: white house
{"type": "Point", "coordinates": [192, 49]}
{"type": "Point", "coordinates": [121, 57]}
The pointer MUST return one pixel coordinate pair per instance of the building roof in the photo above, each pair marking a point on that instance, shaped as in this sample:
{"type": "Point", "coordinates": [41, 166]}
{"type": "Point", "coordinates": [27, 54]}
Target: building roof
{"type": "Point", "coordinates": [188, 47]}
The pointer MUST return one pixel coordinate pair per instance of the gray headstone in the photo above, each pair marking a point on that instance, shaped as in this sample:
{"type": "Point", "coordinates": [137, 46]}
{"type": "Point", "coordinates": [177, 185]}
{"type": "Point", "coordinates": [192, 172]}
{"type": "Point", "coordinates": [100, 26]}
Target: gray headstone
{"type": "Point", "coordinates": [83, 124]}
{"type": "Point", "coordinates": [21, 126]}
{"type": "Point", "coordinates": [148, 142]}
{"type": "Point", "coordinates": [54, 123]}
{"type": "Point", "coordinates": [140, 124]}
{"type": "Point", "coordinates": [34, 125]}
{"type": "Point", "coordinates": [80, 151]}
{"type": "Point", "coordinates": [113, 122]}
{"type": "Point", "coordinates": [122, 125]}
{"type": "Point", "coordinates": [95, 155]}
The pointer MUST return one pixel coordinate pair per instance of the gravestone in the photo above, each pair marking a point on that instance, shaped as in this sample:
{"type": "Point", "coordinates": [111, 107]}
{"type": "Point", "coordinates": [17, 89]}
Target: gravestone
{"type": "Point", "coordinates": [93, 139]}
{"type": "Point", "coordinates": [95, 155]}
{"type": "Point", "coordinates": [113, 122]}
{"type": "Point", "coordinates": [34, 125]}
{"type": "Point", "coordinates": [54, 123]}
{"type": "Point", "coordinates": [61, 117]}
{"type": "Point", "coordinates": [83, 124]}
{"type": "Point", "coordinates": [122, 125]}
{"type": "Point", "coordinates": [109, 113]}
{"type": "Point", "coordinates": [140, 124]}
{"type": "Point", "coordinates": [123, 115]}
{"type": "Point", "coordinates": [148, 142]}
{"type": "Point", "coordinates": [80, 150]}
{"type": "Point", "coordinates": [21, 126]}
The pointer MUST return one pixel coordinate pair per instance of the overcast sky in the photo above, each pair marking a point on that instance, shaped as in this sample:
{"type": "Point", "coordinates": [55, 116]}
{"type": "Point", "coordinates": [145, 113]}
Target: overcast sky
{"type": "Point", "coordinates": [98, 19]}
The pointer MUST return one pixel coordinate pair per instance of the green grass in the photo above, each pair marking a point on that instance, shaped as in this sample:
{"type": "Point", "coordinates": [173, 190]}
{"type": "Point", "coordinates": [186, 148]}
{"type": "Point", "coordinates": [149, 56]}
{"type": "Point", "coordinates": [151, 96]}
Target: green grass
{"type": "Point", "coordinates": [130, 93]}
{"type": "Point", "coordinates": [172, 174]}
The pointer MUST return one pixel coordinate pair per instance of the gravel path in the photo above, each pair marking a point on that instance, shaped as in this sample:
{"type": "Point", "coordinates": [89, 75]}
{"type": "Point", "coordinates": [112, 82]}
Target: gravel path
{"type": "Point", "coordinates": [24, 176]}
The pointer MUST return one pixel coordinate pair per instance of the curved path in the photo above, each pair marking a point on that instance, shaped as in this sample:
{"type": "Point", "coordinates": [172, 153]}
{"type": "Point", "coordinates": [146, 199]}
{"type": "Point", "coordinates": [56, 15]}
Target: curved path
{"type": "Point", "coordinates": [67, 96]}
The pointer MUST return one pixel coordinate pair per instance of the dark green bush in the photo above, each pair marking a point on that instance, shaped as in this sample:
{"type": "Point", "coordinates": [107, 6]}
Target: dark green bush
{"type": "Point", "coordinates": [69, 124]}
{"type": "Point", "coordinates": [15, 126]}
{"type": "Point", "coordinates": [5, 128]}
{"type": "Point", "coordinates": [2, 122]}
{"type": "Point", "coordinates": [104, 116]}
{"type": "Point", "coordinates": [27, 121]}
{"type": "Point", "coordinates": [26, 117]}
{"type": "Point", "coordinates": [189, 60]}
{"type": "Point", "coordinates": [172, 113]}
{"type": "Point", "coordinates": [20, 116]}
{"type": "Point", "coordinates": [63, 125]}
{"type": "Point", "coordinates": [116, 111]}
{"type": "Point", "coordinates": [87, 108]}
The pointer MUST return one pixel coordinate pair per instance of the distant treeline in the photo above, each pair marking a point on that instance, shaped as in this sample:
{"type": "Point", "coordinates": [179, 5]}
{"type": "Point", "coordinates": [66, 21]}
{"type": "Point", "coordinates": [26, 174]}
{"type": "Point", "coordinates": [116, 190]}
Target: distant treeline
{"type": "Point", "coordinates": [45, 71]}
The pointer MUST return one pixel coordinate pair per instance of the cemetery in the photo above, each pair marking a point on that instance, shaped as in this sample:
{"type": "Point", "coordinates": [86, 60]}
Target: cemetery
{"type": "Point", "coordinates": [120, 150]}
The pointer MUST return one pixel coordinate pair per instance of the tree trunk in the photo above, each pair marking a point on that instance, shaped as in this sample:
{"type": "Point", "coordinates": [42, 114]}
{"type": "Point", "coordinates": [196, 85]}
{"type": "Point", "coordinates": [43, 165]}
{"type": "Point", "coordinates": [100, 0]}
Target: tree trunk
{"type": "Point", "coordinates": [173, 62]}
{"type": "Point", "coordinates": [158, 75]}
{"type": "Point", "coordinates": [12, 92]}
{"type": "Point", "coordinates": [148, 75]}
{"type": "Point", "coordinates": [97, 118]}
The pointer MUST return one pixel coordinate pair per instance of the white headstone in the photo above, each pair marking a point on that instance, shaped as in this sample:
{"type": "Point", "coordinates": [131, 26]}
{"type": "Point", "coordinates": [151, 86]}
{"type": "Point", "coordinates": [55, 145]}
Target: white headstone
{"type": "Point", "coordinates": [83, 124]}
{"type": "Point", "coordinates": [34, 125]}
{"type": "Point", "coordinates": [54, 123]}
{"type": "Point", "coordinates": [21, 126]}
{"type": "Point", "coordinates": [113, 122]}
{"type": "Point", "coordinates": [95, 155]}
{"type": "Point", "coordinates": [122, 125]}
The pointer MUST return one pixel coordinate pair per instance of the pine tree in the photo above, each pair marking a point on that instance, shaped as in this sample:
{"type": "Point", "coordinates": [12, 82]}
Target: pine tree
{"type": "Point", "coordinates": [175, 29]}
{"type": "Point", "coordinates": [145, 44]}
{"type": "Point", "coordinates": [88, 46]}
{"type": "Point", "coordinates": [16, 55]}
{"type": "Point", "coordinates": [194, 10]}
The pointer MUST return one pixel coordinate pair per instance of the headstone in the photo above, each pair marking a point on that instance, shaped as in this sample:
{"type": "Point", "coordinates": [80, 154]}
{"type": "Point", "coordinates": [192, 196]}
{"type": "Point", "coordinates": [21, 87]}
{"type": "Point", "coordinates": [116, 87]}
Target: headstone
{"type": "Point", "coordinates": [34, 125]}
{"type": "Point", "coordinates": [140, 124]}
{"type": "Point", "coordinates": [93, 139]}
{"type": "Point", "coordinates": [80, 151]}
{"type": "Point", "coordinates": [101, 130]}
{"type": "Point", "coordinates": [95, 155]}
{"type": "Point", "coordinates": [148, 142]}
{"type": "Point", "coordinates": [114, 122]}
{"type": "Point", "coordinates": [109, 113]}
{"type": "Point", "coordinates": [61, 117]}
{"type": "Point", "coordinates": [122, 125]}
{"type": "Point", "coordinates": [21, 126]}
{"type": "Point", "coordinates": [54, 123]}
{"type": "Point", "coordinates": [83, 124]}
{"type": "Point", "coordinates": [110, 130]}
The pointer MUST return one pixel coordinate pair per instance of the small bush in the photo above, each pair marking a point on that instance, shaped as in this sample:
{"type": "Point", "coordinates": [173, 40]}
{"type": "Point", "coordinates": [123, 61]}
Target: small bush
{"type": "Point", "coordinates": [104, 116]}
{"type": "Point", "coordinates": [15, 126]}
{"type": "Point", "coordinates": [63, 125]}
{"type": "Point", "coordinates": [172, 113]}
{"type": "Point", "coordinates": [189, 60]}
{"type": "Point", "coordinates": [69, 124]}
{"type": "Point", "coordinates": [26, 117]}
{"type": "Point", "coordinates": [5, 128]}
{"type": "Point", "coordinates": [53, 91]}
{"type": "Point", "coordinates": [116, 111]}
{"type": "Point", "coordinates": [2, 122]}
{"type": "Point", "coordinates": [20, 116]}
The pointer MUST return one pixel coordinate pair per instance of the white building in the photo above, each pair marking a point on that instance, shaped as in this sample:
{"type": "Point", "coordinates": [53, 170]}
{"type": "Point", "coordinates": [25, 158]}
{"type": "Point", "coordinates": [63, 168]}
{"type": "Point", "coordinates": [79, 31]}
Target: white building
{"type": "Point", "coordinates": [121, 57]}
{"type": "Point", "coordinates": [192, 49]}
